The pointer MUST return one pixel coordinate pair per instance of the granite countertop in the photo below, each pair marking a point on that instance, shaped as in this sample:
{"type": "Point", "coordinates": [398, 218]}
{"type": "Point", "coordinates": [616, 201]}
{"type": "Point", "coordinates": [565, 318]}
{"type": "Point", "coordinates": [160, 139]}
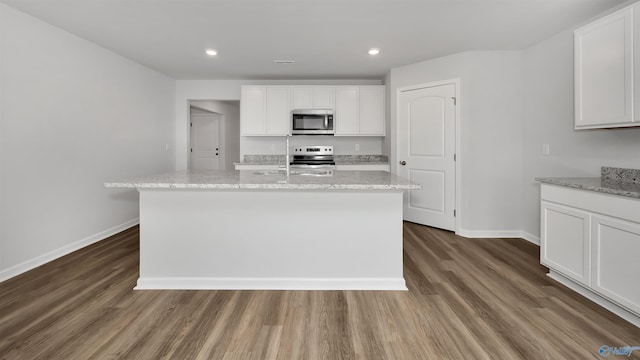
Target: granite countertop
{"type": "Point", "coordinates": [614, 181]}
{"type": "Point", "coordinates": [339, 159]}
{"type": "Point", "coordinates": [255, 180]}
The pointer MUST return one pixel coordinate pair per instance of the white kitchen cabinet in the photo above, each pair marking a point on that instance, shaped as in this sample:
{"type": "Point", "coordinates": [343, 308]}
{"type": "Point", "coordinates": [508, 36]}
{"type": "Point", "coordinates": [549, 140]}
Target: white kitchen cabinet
{"type": "Point", "coordinates": [360, 110]}
{"type": "Point", "coordinates": [347, 114]}
{"type": "Point", "coordinates": [253, 110]}
{"type": "Point", "coordinates": [604, 71]}
{"type": "Point", "coordinates": [616, 246]}
{"type": "Point", "coordinates": [592, 239]}
{"type": "Point", "coordinates": [278, 110]}
{"type": "Point", "coordinates": [565, 243]}
{"type": "Point", "coordinates": [265, 110]}
{"type": "Point", "coordinates": [314, 97]}
{"type": "Point", "coordinates": [371, 110]}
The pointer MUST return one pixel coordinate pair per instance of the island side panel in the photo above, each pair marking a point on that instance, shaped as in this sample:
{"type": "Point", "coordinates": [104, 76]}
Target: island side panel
{"type": "Point", "coordinates": [237, 239]}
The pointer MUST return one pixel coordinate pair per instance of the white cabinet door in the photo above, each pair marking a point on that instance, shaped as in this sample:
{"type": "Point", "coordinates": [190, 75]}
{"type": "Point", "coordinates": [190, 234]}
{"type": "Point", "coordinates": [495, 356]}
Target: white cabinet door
{"type": "Point", "coordinates": [565, 241]}
{"type": "Point", "coordinates": [371, 110]}
{"type": "Point", "coordinates": [265, 110]}
{"type": "Point", "coordinates": [324, 97]}
{"type": "Point", "coordinates": [302, 97]}
{"type": "Point", "coordinates": [347, 114]}
{"type": "Point", "coordinates": [253, 105]}
{"type": "Point", "coordinates": [278, 110]}
{"type": "Point", "coordinates": [615, 265]}
{"type": "Point", "coordinates": [314, 97]}
{"type": "Point", "coordinates": [604, 72]}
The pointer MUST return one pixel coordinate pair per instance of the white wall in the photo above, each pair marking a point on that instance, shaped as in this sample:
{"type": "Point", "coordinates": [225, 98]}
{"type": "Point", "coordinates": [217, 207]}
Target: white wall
{"type": "Point", "coordinates": [73, 116]}
{"type": "Point", "coordinates": [187, 90]}
{"type": "Point", "coordinates": [548, 119]}
{"type": "Point", "coordinates": [230, 111]}
{"type": "Point", "coordinates": [491, 134]}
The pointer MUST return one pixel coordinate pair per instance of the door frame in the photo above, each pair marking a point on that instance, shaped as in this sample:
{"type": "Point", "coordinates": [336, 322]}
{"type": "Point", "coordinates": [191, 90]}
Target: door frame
{"type": "Point", "coordinates": [221, 137]}
{"type": "Point", "coordinates": [457, 136]}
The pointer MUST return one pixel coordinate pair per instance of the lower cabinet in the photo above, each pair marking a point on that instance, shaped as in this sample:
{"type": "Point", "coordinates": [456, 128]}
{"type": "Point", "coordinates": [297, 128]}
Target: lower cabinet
{"type": "Point", "coordinates": [593, 239]}
{"type": "Point", "coordinates": [565, 245]}
{"type": "Point", "coordinates": [615, 265]}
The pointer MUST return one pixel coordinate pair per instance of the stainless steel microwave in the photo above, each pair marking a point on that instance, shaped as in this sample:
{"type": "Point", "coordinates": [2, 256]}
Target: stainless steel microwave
{"type": "Point", "coordinates": [312, 122]}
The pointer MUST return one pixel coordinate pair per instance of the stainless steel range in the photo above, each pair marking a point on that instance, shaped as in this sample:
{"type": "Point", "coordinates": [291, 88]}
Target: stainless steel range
{"type": "Point", "coordinates": [313, 157]}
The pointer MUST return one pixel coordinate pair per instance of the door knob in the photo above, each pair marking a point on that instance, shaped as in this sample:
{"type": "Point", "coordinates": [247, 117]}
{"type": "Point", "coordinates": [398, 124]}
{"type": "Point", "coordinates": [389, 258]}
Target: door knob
{"type": "Point", "coordinates": [402, 162]}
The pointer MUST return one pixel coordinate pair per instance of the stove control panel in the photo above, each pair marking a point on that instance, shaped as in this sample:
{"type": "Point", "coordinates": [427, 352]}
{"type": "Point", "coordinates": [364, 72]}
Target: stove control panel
{"type": "Point", "coordinates": [313, 150]}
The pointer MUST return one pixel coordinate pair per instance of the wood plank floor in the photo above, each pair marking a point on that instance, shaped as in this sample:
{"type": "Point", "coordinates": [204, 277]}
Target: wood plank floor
{"type": "Point", "coordinates": [468, 299]}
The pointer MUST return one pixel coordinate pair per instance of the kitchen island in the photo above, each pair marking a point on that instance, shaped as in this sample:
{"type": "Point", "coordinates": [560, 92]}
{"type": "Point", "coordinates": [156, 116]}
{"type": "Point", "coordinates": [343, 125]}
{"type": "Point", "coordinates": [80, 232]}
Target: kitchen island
{"type": "Point", "coordinates": [271, 230]}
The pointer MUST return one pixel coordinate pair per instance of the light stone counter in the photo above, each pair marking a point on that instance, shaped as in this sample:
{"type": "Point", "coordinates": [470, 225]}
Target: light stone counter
{"type": "Point", "coordinates": [244, 230]}
{"type": "Point", "coordinates": [339, 159]}
{"type": "Point", "coordinates": [273, 180]}
{"type": "Point", "coordinates": [613, 181]}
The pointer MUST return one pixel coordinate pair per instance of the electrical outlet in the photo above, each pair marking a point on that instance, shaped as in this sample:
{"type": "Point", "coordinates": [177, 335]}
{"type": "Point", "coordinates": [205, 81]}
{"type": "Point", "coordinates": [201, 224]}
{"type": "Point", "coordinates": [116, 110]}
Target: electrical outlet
{"type": "Point", "coordinates": [166, 147]}
{"type": "Point", "coordinates": [545, 149]}
{"type": "Point", "coordinates": [357, 147]}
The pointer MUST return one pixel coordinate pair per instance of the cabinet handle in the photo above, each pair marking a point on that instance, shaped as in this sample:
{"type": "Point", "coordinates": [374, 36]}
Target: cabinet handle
{"type": "Point", "coordinates": [402, 162]}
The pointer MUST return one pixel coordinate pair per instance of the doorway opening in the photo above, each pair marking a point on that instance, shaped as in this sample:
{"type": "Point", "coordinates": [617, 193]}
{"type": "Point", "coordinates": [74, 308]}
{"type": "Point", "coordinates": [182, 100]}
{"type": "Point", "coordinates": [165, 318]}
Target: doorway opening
{"type": "Point", "coordinates": [213, 135]}
{"type": "Point", "coordinates": [204, 135]}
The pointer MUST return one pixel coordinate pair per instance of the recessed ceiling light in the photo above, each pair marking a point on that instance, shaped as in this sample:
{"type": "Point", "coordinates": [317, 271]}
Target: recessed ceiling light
{"type": "Point", "coordinates": [211, 52]}
{"type": "Point", "coordinates": [283, 61]}
{"type": "Point", "coordinates": [374, 51]}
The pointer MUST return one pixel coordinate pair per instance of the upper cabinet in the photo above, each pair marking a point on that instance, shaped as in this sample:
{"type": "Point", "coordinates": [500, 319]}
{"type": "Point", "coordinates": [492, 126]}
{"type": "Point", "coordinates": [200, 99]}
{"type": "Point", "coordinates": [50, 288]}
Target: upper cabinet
{"type": "Point", "coordinates": [360, 110]}
{"type": "Point", "coordinates": [604, 56]}
{"type": "Point", "coordinates": [314, 97]}
{"type": "Point", "coordinates": [265, 110]}
{"type": "Point", "coordinates": [347, 115]}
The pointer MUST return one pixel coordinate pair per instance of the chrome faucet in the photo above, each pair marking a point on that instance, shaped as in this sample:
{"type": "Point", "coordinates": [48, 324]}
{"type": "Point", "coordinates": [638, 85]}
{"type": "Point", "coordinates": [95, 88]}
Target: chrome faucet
{"type": "Point", "coordinates": [287, 155]}
{"type": "Point", "coordinates": [287, 164]}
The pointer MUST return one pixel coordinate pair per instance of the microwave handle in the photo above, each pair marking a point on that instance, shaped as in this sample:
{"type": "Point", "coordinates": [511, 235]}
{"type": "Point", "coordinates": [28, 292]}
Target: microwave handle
{"type": "Point", "coordinates": [326, 122]}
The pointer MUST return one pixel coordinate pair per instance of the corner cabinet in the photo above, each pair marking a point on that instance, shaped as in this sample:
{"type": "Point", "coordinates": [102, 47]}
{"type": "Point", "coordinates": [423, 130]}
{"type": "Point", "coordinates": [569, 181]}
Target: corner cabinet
{"type": "Point", "coordinates": [265, 110]}
{"type": "Point", "coordinates": [360, 110]}
{"type": "Point", "coordinates": [593, 239]}
{"type": "Point", "coordinates": [607, 71]}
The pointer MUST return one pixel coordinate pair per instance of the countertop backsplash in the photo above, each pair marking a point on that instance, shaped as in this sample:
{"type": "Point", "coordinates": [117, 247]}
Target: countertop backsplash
{"type": "Point", "coordinates": [620, 174]}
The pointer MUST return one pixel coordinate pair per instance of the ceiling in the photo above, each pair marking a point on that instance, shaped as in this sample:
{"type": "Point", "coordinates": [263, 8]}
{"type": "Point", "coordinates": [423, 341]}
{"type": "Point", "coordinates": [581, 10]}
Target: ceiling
{"type": "Point", "coordinates": [327, 39]}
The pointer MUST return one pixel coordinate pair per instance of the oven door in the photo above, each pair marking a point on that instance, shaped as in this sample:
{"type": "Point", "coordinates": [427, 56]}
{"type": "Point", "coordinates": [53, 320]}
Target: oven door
{"type": "Point", "coordinates": [312, 124]}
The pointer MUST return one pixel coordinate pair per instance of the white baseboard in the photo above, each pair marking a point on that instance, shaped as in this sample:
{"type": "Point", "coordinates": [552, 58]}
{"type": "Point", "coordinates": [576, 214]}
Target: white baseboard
{"type": "Point", "coordinates": [499, 234]}
{"type": "Point", "coordinates": [176, 283]}
{"type": "Point", "coordinates": [52, 255]}
{"type": "Point", "coordinates": [614, 308]}
{"type": "Point", "coordinates": [534, 239]}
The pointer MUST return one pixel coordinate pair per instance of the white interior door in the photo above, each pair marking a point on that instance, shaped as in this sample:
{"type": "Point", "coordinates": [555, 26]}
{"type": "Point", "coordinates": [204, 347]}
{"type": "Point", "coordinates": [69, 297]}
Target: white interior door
{"type": "Point", "coordinates": [426, 148]}
{"type": "Point", "coordinates": [205, 142]}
